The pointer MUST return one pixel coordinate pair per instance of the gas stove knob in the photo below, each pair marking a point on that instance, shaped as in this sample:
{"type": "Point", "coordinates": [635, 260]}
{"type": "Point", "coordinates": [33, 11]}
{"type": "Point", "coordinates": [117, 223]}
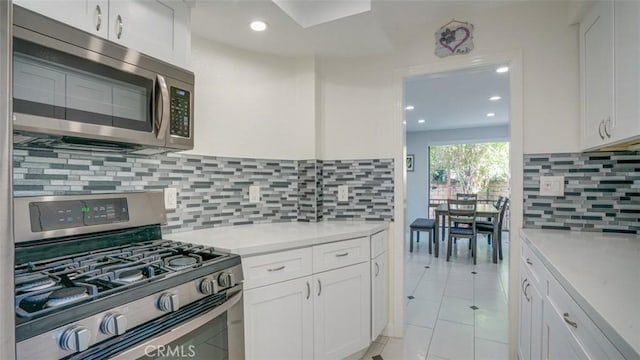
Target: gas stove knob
{"type": "Point", "coordinates": [168, 302]}
{"type": "Point", "coordinates": [114, 324]}
{"type": "Point", "coordinates": [225, 280]}
{"type": "Point", "coordinates": [75, 339]}
{"type": "Point", "coordinates": [208, 287]}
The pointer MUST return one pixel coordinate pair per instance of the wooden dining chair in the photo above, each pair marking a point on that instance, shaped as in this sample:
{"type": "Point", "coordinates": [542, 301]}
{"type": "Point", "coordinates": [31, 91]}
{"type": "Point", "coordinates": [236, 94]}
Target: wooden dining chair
{"type": "Point", "coordinates": [490, 220]}
{"type": "Point", "coordinates": [462, 224]}
{"type": "Point", "coordinates": [488, 228]}
{"type": "Point", "coordinates": [467, 196]}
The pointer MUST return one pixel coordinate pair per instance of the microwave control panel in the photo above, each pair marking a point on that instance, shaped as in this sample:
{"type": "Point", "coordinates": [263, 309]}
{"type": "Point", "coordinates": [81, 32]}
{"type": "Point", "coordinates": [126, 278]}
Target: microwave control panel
{"type": "Point", "coordinates": [180, 121]}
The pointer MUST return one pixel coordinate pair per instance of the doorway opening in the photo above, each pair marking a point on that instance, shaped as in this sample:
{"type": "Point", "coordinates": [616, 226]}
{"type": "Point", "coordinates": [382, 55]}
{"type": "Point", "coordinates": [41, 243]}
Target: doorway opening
{"type": "Point", "coordinates": [465, 108]}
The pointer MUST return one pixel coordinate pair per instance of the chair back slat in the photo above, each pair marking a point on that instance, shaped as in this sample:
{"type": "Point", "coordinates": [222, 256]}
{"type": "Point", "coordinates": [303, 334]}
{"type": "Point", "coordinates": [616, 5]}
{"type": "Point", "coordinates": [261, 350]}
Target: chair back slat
{"type": "Point", "coordinates": [503, 209]}
{"type": "Point", "coordinates": [466, 196]}
{"type": "Point", "coordinates": [462, 212]}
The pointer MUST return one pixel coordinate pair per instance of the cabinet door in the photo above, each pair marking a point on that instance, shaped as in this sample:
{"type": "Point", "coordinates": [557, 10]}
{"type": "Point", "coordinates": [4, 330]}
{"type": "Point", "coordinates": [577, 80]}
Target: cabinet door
{"type": "Point", "coordinates": [627, 72]}
{"type": "Point", "coordinates": [159, 28]}
{"type": "Point", "coordinates": [558, 343]}
{"type": "Point", "coordinates": [88, 15]}
{"type": "Point", "coordinates": [279, 321]}
{"type": "Point", "coordinates": [342, 311]}
{"type": "Point", "coordinates": [536, 300]}
{"type": "Point", "coordinates": [379, 275]}
{"type": "Point", "coordinates": [524, 333]}
{"type": "Point", "coordinates": [596, 55]}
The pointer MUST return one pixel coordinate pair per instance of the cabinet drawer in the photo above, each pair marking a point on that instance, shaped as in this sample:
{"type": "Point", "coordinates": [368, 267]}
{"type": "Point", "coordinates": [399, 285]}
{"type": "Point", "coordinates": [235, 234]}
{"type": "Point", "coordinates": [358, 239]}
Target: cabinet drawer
{"type": "Point", "coordinates": [536, 268]}
{"type": "Point", "coordinates": [339, 254]}
{"type": "Point", "coordinates": [378, 243]}
{"type": "Point", "coordinates": [588, 334]}
{"type": "Point", "coordinates": [271, 268]}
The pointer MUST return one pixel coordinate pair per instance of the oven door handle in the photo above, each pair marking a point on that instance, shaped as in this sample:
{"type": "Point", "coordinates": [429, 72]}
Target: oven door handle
{"type": "Point", "coordinates": [138, 351]}
{"type": "Point", "coordinates": [162, 107]}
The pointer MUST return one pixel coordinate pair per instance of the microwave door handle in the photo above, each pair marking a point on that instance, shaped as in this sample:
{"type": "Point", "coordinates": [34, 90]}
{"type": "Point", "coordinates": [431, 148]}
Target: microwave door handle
{"type": "Point", "coordinates": [162, 108]}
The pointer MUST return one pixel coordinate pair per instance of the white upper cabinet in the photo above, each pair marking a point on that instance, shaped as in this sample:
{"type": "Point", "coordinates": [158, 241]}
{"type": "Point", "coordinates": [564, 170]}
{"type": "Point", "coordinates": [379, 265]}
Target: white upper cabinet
{"type": "Point", "coordinates": [609, 54]}
{"type": "Point", "coordinates": [158, 28]}
{"type": "Point", "coordinates": [596, 40]}
{"type": "Point", "coordinates": [627, 70]}
{"type": "Point", "coordinates": [88, 15]}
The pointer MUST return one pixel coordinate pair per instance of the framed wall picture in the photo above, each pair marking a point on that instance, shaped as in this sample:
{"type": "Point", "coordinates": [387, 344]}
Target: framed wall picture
{"type": "Point", "coordinates": [410, 161]}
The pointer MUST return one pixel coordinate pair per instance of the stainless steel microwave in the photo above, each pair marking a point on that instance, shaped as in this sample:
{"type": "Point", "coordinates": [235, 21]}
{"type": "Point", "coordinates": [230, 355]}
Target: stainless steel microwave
{"type": "Point", "coordinates": [75, 90]}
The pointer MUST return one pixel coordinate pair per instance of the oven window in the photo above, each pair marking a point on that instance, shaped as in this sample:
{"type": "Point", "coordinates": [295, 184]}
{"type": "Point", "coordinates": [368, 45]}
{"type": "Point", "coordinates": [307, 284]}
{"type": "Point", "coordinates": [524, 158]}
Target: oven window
{"type": "Point", "coordinates": [53, 84]}
{"type": "Point", "coordinates": [209, 341]}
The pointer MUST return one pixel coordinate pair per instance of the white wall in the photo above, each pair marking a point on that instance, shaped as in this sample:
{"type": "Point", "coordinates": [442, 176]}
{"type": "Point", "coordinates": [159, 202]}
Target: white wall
{"type": "Point", "coordinates": [359, 104]}
{"type": "Point", "coordinates": [252, 105]}
{"type": "Point", "coordinates": [418, 144]}
{"type": "Point", "coordinates": [357, 99]}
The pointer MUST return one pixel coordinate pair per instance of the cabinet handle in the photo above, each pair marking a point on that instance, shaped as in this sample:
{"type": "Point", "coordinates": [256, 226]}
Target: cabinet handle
{"type": "Point", "coordinates": [308, 290]}
{"type": "Point", "coordinates": [98, 18]}
{"type": "Point", "coordinates": [342, 255]}
{"type": "Point", "coordinates": [120, 26]}
{"type": "Point", "coordinates": [529, 261]}
{"type": "Point", "coordinates": [600, 129]}
{"type": "Point", "coordinates": [607, 126]}
{"type": "Point", "coordinates": [565, 316]}
{"type": "Point", "coordinates": [377, 269]}
{"type": "Point", "coordinates": [319, 287]}
{"type": "Point", "coordinates": [526, 296]}
{"type": "Point", "coordinates": [522, 285]}
{"type": "Point", "coordinates": [276, 269]}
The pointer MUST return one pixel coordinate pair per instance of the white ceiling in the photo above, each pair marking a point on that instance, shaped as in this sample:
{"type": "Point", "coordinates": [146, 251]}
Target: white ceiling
{"type": "Point", "coordinates": [447, 101]}
{"type": "Point", "coordinates": [457, 100]}
{"type": "Point", "coordinates": [388, 26]}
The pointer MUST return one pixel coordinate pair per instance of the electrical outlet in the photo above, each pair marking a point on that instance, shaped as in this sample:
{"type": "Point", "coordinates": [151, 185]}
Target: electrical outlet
{"type": "Point", "coordinates": [254, 194]}
{"type": "Point", "coordinates": [170, 198]}
{"type": "Point", "coordinates": [343, 193]}
{"type": "Point", "coordinates": [551, 185]}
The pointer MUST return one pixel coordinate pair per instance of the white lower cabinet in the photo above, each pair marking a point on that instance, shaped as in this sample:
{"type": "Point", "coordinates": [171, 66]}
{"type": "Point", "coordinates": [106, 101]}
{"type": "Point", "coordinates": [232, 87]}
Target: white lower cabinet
{"type": "Point", "coordinates": [341, 311]}
{"type": "Point", "coordinates": [379, 301]}
{"type": "Point", "coordinates": [559, 343]}
{"type": "Point", "coordinates": [323, 302]}
{"type": "Point", "coordinates": [552, 325]}
{"type": "Point", "coordinates": [531, 305]}
{"type": "Point", "coordinates": [279, 321]}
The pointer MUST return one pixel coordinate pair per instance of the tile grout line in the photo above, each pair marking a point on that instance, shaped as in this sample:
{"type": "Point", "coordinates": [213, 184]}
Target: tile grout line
{"type": "Point", "coordinates": [438, 314]}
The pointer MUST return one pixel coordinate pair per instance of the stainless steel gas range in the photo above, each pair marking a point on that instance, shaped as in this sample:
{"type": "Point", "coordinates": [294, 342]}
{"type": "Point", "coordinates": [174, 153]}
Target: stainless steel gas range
{"type": "Point", "coordinates": [95, 280]}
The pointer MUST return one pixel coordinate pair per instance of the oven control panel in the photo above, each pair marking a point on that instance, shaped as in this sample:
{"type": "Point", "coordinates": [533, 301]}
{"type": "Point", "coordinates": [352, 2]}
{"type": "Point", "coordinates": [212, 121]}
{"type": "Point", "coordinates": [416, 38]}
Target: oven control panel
{"type": "Point", "coordinates": [180, 120]}
{"type": "Point", "coordinates": [55, 215]}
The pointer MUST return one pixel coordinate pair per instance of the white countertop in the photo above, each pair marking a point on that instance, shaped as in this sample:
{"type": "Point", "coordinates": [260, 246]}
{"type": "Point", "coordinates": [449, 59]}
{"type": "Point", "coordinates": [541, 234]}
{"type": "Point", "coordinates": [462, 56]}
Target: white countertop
{"type": "Point", "coordinates": [247, 240]}
{"type": "Point", "coordinates": [602, 274]}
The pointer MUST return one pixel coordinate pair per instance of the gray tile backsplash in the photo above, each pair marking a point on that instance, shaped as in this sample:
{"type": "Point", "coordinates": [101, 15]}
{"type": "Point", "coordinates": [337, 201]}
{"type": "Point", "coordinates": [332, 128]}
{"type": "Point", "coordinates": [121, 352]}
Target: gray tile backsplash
{"type": "Point", "coordinates": [370, 189]}
{"type": "Point", "coordinates": [602, 192]}
{"type": "Point", "coordinates": [212, 191]}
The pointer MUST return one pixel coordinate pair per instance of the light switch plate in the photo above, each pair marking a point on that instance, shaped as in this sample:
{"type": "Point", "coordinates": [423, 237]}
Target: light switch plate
{"type": "Point", "coordinates": [551, 185]}
{"type": "Point", "coordinates": [170, 198]}
{"type": "Point", "coordinates": [254, 194]}
{"type": "Point", "coordinates": [343, 193]}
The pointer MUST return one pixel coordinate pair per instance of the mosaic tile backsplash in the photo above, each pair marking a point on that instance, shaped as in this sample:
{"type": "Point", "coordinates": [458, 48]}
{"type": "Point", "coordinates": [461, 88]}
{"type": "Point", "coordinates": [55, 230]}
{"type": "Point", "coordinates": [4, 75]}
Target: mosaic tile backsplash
{"type": "Point", "coordinates": [602, 192]}
{"type": "Point", "coordinates": [213, 191]}
{"type": "Point", "coordinates": [370, 189]}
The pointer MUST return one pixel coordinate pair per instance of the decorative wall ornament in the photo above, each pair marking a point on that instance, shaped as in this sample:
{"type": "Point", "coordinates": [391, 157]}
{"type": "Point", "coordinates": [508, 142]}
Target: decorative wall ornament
{"type": "Point", "coordinates": [410, 161]}
{"type": "Point", "coordinates": [454, 38]}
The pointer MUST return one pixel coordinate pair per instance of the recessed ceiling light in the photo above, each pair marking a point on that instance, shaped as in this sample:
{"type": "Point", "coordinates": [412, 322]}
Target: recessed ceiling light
{"type": "Point", "coordinates": [491, 114]}
{"type": "Point", "coordinates": [421, 121]}
{"type": "Point", "coordinates": [502, 69]}
{"type": "Point", "coordinates": [404, 123]}
{"type": "Point", "coordinates": [409, 107]}
{"type": "Point", "coordinates": [258, 25]}
{"type": "Point", "coordinates": [495, 98]}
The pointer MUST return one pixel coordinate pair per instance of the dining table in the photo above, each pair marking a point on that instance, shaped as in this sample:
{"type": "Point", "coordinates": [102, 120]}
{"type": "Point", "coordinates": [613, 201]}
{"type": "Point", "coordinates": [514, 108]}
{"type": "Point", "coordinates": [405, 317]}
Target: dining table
{"type": "Point", "coordinates": [482, 210]}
